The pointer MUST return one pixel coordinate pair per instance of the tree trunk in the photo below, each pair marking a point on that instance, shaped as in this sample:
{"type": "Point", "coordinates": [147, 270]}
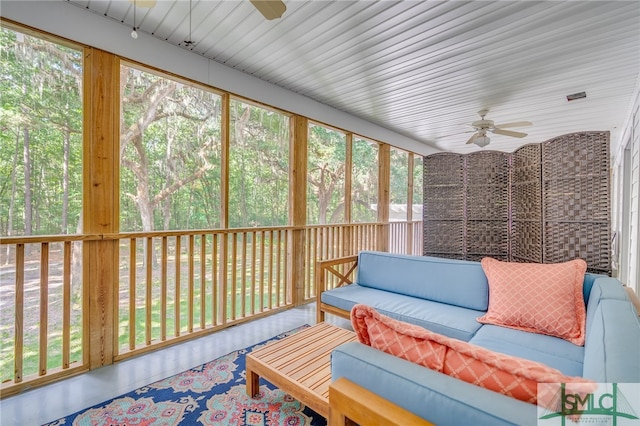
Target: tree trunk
{"type": "Point", "coordinates": [241, 124]}
{"type": "Point", "coordinates": [12, 200]}
{"type": "Point", "coordinates": [323, 197]}
{"type": "Point", "coordinates": [144, 205]}
{"type": "Point", "coordinates": [65, 182]}
{"type": "Point", "coordinates": [28, 204]}
{"type": "Point", "coordinates": [76, 265]}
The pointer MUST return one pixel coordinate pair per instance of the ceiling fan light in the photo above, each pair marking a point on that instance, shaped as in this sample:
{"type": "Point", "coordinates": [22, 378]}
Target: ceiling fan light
{"type": "Point", "coordinates": [482, 141]}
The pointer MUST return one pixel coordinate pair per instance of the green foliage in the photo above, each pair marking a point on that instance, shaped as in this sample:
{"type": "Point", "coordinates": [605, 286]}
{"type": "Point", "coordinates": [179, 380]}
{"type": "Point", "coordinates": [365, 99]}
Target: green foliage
{"type": "Point", "coordinates": [417, 181]}
{"type": "Point", "coordinates": [399, 176]}
{"type": "Point", "coordinates": [364, 181]}
{"type": "Point", "coordinates": [170, 153]}
{"type": "Point", "coordinates": [170, 144]}
{"type": "Point", "coordinates": [41, 86]}
{"type": "Point", "coordinates": [258, 167]}
{"type": "Point", "coordinates": [325, 175]}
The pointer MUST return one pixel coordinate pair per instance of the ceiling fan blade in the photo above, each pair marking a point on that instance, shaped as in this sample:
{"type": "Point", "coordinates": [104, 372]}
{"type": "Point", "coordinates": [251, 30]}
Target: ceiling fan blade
{"type": "Point", "coordinates": [472, 138]}
{"type": "Point", "coordinates": [509, 133]}
{"type": "Point", "coordinates": [144, 3]}
{"type": "Point", "coordinates": [516, 124]}
{"type": "Point", "coordinates": [270, 9]}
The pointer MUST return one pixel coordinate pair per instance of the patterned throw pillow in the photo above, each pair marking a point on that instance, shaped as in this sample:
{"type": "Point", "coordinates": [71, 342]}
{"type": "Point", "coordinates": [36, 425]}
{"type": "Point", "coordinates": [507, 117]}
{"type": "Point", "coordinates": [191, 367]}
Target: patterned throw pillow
{"type": "Point", "coordinates": [539, 298]}
{"type": "Point", "coordinates": [509, 375]}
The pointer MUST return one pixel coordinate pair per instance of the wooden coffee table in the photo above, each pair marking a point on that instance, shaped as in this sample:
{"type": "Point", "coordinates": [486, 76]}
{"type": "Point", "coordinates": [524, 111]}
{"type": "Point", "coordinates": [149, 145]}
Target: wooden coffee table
{"type": "Point", "coordinates": [299, 365]}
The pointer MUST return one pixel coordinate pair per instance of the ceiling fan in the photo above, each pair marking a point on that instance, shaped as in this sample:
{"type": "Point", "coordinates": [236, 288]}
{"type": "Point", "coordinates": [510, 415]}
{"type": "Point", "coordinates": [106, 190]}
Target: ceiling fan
{"type": "Point", "coordinates": [483, 126]}
{"type": "Point", "coordinates": [270, 9]}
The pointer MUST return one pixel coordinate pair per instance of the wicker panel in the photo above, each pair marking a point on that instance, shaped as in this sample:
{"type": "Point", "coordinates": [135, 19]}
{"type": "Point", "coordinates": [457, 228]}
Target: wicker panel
{"type": "Point", "coordinates": [487, 238]}
{"type": "Point", "coordinates": [487, 189]}
{"type": "Point", "coordinates": [575, 155]}
{"type": "Point", "coordinates": [443, 169]}
{"type": "Point", "coordinates": [487, 168]}
{"type": "Point", "coordinates": [447, 255]}
{"type": "Point", "coordinates": [479, 257]}
{"type": "Point", "coordinates": [544, 202]}
{"type": "Point", "coordinates": [443, 202]}
{"type": "Point", "coordinates": [588, 241]}
{"type": "Point", "coordinates": [526, 204]}
{"type": "Point", "coordinates": [576, 200]}
{"type": "Point", "coordinates": [583, 199]}
{"type": "Point", "coordinates": [526, 241]}
{"type": "Point", "coordinates": [526, 201]}
{"type": "Point", "coordinates": [488, 202]}
{"type": "Point", "coordinates": [527, 163]}
{"type": "Point", "coordinates": [444, 237]}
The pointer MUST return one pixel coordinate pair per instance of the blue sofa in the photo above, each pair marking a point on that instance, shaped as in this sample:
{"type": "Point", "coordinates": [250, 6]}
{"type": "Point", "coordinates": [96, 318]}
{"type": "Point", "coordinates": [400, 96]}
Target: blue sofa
{"type": "Point", "coordinates": [446, 296]}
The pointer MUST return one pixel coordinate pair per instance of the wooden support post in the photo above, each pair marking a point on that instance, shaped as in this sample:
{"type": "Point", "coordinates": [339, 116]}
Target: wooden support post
{"type": "Point", "coordinates": [346, 243]}
{"type": "Point", "coordinates": [384, 176]}
{"type": "Point", "coordinates": [101, 180]}
{"type": "Point", "coordinates": [224, 210]}
{"type": "Point", "coordinates": [297, 207]}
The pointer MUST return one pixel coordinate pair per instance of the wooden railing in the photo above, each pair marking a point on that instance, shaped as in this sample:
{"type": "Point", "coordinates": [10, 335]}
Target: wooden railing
{"type": "Point", "coordinates": [177, 285]}
{"type": "Point", "coordinates": [42, 331]}
{"type": "Point", "coordinates": [172, 286]}
{"type": "Point", "coordinates": [331, 241]}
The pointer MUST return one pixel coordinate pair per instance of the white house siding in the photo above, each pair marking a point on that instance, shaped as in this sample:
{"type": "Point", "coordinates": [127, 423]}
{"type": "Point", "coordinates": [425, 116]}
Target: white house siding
{"type": "Point", "coordinates": [626, 199]}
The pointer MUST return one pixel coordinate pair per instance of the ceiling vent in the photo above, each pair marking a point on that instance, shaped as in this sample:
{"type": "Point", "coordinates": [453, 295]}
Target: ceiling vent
{"type": "Point", "coordinates": [579, 95]}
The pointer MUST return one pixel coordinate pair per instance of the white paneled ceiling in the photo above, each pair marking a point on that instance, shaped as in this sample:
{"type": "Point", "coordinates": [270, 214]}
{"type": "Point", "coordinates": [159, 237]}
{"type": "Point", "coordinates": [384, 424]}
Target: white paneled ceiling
{"type": "Point", "coordinates": [423, 68]}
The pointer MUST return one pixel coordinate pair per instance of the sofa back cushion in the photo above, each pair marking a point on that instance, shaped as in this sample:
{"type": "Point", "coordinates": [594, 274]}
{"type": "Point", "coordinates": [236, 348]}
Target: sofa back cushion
{"type": "Point", "coordinates": [603, 288]}
{"type": "Point", "coordinates": [454, 282]}
{"type": "Point", "coordinates": [589, 279]}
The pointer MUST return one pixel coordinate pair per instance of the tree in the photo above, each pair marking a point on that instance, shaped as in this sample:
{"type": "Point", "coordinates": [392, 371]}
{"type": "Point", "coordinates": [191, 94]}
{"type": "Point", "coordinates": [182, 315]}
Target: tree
{"type": "Point", "coordinates": [325, 175]}
{"type": "Point", "coordinates": [364, 181]}
{"type": "Point", "coordinates": [259, 166]}
{"type": "Point", "coordinates": [42, 112]}
{"type": "Point", "coordinates": [169, 140]}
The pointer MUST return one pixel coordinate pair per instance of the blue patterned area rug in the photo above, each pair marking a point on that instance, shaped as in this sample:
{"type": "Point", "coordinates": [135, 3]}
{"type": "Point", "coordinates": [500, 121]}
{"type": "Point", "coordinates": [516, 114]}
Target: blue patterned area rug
{"type": "Point", "coordinates": [210, 394]}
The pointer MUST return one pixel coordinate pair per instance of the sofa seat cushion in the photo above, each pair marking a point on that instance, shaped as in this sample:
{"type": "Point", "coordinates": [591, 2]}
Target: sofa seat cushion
{"type": "Point", "coordinates": [453, 321]}
{"type": "Point", "coordinates": [552, 351]}
{"type": "Point", "coordinates": [510, 375]}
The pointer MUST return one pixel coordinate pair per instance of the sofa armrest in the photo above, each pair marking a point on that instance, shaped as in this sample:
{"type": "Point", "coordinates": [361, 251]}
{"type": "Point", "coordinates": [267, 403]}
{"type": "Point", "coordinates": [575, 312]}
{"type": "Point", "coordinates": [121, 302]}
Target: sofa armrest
{"type": "Point", "coordinates": [351, 403]}
{"type": "Point", "coordinates": [430, 395]}
{"type": "Point", "coordinates": [327, 272]}
{"type": "Point", "coordinates": [612, 346]}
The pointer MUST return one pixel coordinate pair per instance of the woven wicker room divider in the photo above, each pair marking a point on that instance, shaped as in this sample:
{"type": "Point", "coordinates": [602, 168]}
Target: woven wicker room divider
{"type": "Point", "coordinates": [544, 203]}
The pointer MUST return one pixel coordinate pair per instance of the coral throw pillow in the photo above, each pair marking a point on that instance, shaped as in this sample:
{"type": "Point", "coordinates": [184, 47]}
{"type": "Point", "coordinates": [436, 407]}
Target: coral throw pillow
{"type": "Point", "coordinates": [539, 298]}
{"type": "Point", "coordinates": [509, 375]}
